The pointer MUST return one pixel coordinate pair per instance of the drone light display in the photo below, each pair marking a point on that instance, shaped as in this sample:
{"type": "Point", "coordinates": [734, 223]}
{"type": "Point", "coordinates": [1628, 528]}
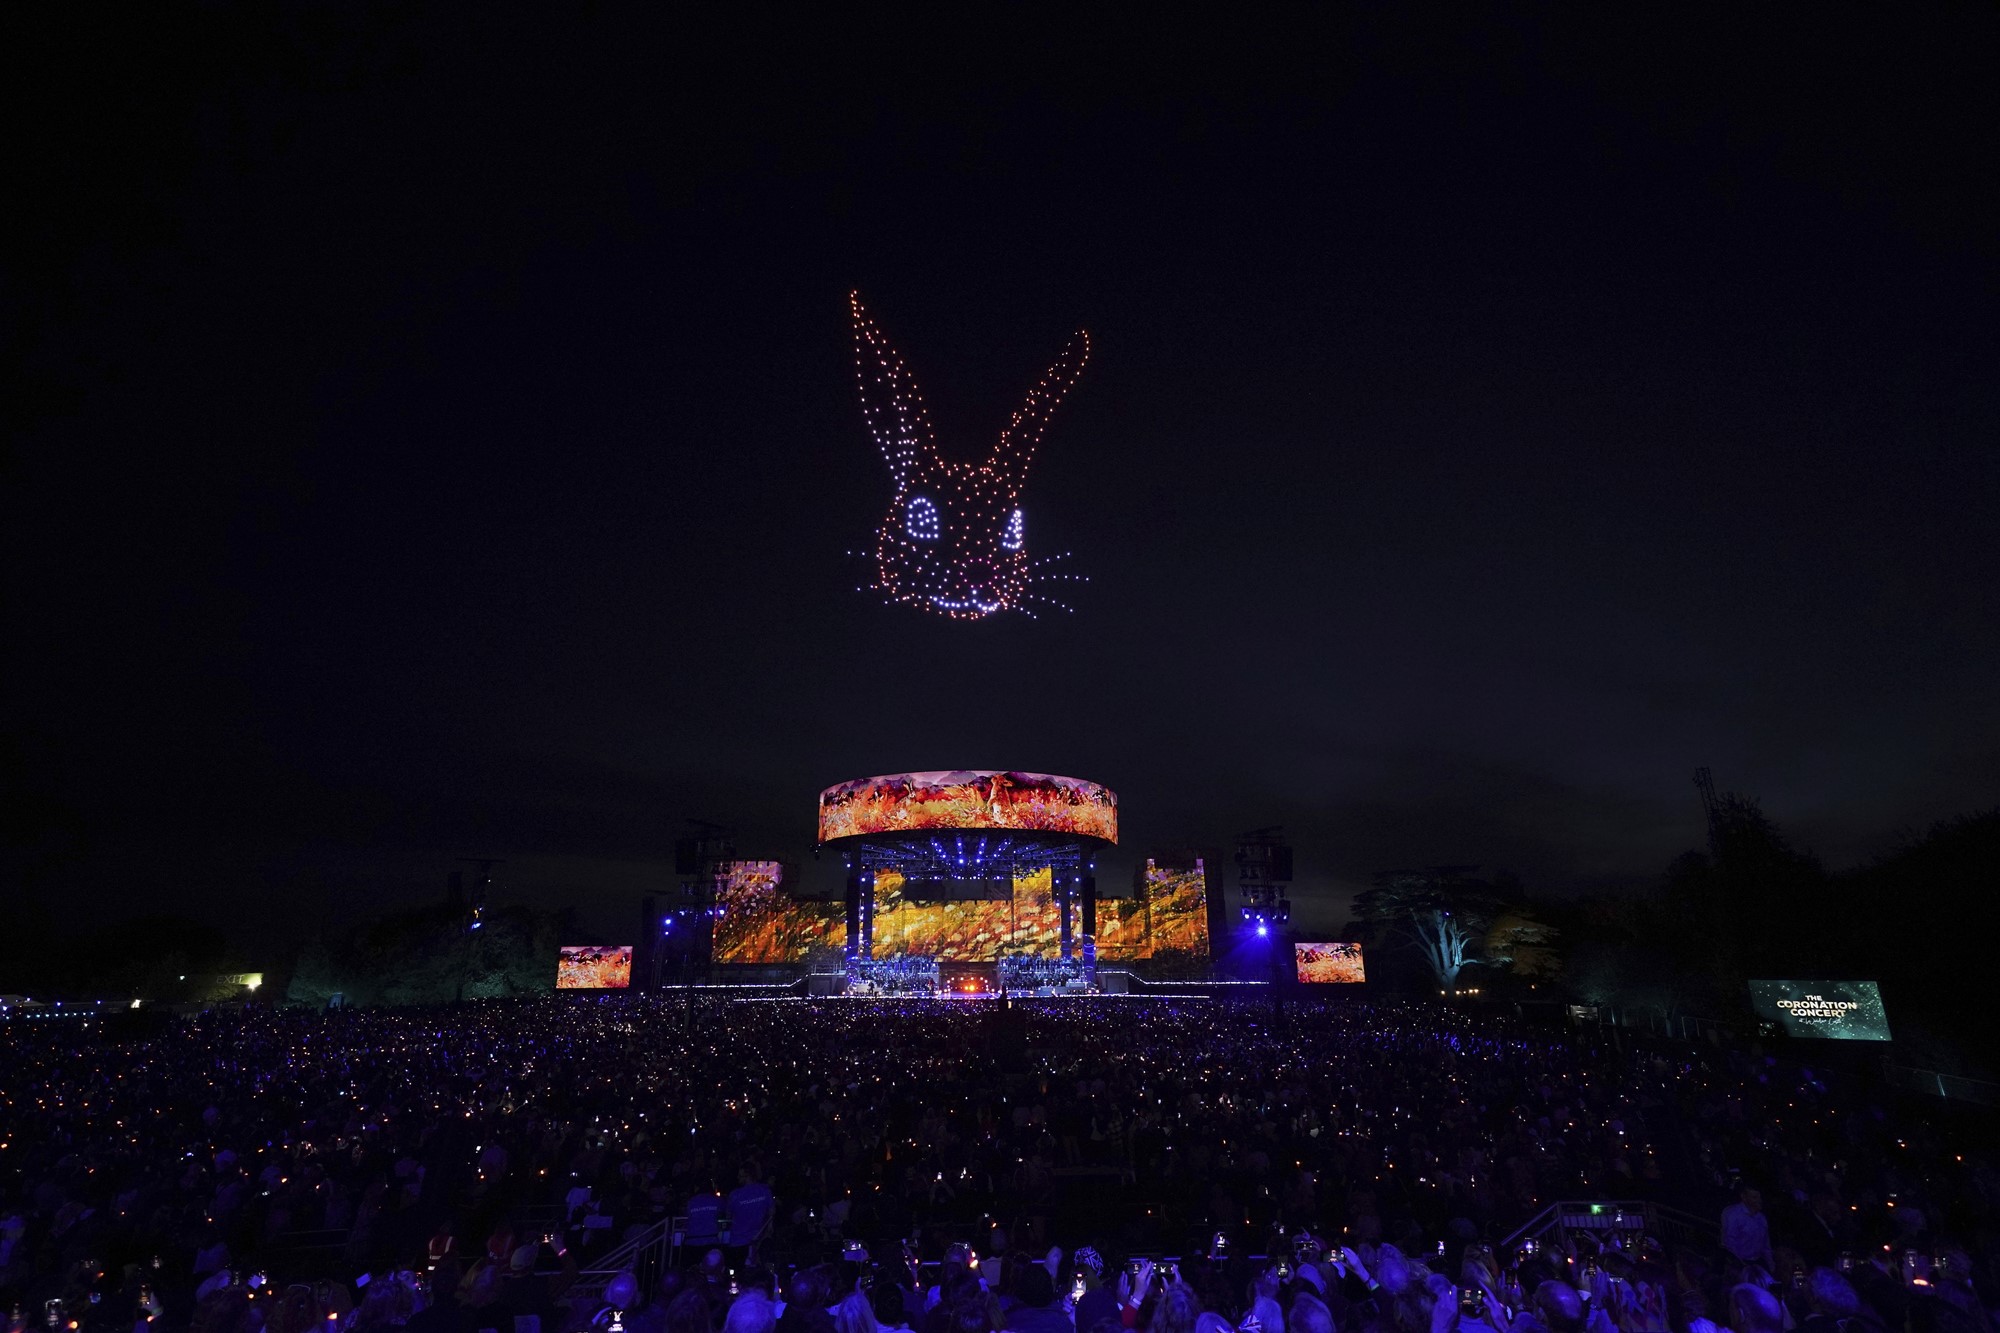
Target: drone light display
{"type": "Point", "coordinates": [954, 541]}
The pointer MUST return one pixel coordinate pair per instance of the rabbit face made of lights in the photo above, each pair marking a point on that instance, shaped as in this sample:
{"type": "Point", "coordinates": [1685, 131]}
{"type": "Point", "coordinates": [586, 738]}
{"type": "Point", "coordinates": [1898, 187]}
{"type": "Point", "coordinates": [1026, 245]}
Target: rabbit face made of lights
{"type": "Point", "coordinates": [954, 540]}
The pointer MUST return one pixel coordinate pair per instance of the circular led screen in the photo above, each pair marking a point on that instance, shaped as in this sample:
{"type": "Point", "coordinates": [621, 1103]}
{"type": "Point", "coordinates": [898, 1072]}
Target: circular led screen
{"type": "Point", "coordinates": [968, 799]}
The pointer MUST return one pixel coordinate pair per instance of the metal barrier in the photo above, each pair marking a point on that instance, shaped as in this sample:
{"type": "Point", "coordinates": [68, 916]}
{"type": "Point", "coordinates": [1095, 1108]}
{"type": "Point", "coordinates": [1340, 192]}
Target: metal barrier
{"type": "Point", "coordinates": [678, 1236]}
{"type": "Point", "coordinates": [652, 1252]}
{"type": "Point", "coordinates": [538, 1219]}
{"type": "Point", "coordinates": [1180, 988]}
{"type": "Point", "coordinates": [1568, 1219]}
{"type": "Point", "coordinates": [311, 1254]}
{"type": "Point", "coordinates": [1936, 1084]}
{"type": "Point", "coordinates": [645, 1256]}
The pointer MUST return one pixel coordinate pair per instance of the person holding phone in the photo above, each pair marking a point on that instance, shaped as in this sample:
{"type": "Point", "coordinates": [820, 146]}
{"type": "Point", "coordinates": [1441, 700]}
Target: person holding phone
{"type": "Point", "coordinates": [1262, 1296]}
{"type": "Point", "coordinates": [1478, 1312]}
{"type": "Point", "coordinates": [959, 1258]}
{"type": "Point", "coordinates": [1095, 1303]}
{"type": "Point", "coordinates": [1134, 1284]}
{"type": "Point", "coordinates": [1479, 1302]}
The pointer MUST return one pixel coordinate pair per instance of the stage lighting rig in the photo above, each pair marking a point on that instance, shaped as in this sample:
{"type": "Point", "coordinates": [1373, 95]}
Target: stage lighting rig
{"type": "Point", "coordinates": [1264, 877]}
{"type": "Point", "coordinates": [472, 902]}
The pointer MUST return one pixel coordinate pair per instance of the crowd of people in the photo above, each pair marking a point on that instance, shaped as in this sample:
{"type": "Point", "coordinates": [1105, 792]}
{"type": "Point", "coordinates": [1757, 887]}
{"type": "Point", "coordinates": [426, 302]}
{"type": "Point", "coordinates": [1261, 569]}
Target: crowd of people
{"type": "Point", "coordinates": [1081, 1166]}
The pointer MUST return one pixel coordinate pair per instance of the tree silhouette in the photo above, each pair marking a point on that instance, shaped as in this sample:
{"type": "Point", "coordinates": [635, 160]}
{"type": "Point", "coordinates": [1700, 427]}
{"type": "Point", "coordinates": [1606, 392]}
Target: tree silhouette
{"type": "Point", "coordinates": [1439, 911]}
{"type": "Point", "coordinates": [1522, 943]}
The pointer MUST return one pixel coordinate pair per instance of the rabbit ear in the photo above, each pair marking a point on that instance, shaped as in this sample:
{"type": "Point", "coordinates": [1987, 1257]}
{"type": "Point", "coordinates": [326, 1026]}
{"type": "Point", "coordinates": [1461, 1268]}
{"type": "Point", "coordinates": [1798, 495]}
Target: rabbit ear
{"type": "Point", "coordinates": [889, 398]}
{"type": "Point", "coordinates": [1017, 443]}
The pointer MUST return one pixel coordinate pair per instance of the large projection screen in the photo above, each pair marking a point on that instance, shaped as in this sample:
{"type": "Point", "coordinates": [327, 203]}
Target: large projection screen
{"type": "Point", "coordinates": [594, 967]}
{"type": "Point", "coordinates": [969, 930]}
{"type": "Point", "coordinates": [968, 799]}
{"type": "Point", "coordinates": [757, 921]}
{"type": "Point", "coordinates": [1319, 964]}
{"type": "Point", "coordinates": [1827, 1010]}
{"type": "Point", "coordinates": [1176, 910]}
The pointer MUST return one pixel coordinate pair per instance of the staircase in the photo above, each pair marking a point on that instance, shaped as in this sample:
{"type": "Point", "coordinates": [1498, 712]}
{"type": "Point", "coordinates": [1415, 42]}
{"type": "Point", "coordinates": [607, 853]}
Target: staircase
{"type": "Point", "coordinates": [644, 1256]}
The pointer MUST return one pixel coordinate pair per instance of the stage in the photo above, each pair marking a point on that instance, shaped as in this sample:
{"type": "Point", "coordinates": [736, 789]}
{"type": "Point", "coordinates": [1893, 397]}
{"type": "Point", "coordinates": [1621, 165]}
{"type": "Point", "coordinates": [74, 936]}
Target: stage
{"type": "Point", "coordinates": [958, 883]}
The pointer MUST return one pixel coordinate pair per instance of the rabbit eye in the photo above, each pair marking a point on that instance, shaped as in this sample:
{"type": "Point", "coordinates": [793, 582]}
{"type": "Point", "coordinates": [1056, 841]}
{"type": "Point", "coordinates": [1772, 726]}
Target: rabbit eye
{"type": "Point", "coordinates": [920, 519]}
{"type": "Point", "coordinates": [1012, 535]}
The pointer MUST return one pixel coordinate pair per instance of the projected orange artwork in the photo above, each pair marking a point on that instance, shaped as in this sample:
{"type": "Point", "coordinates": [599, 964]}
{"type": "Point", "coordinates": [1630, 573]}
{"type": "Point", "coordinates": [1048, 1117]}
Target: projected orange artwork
{"type": "Point", "coordinates": [760, 923]}
{"type": "Point", "coordinates": [1177, 905]}
{"type": "Point", "coordinates": [968, 799]}
{"type": "Point", "coordinates": [1122, 933]}
{"type": "Point", "coordinates": [1167, 914]}
{"type": "Point", "coordinates": [976, 931]}
{"type": "Point", "coordinates": [1329, 962]}
{"type": "Point", "coordinates": [594, 967]}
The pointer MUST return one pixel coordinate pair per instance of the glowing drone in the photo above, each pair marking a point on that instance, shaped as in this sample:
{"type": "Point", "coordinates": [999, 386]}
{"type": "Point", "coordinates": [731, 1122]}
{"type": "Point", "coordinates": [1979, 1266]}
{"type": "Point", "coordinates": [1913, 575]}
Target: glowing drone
{"type": "Point", "coordinates": [954, 541]}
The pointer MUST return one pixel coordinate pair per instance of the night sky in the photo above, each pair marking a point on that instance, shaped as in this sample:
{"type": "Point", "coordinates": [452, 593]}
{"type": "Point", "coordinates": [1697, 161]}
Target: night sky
{"type": "Point", "coordinates": [436, 438]}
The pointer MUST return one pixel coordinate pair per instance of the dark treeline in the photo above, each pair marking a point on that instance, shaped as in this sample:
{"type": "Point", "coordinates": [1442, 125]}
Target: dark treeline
{"type": "Point", "coordinates": [1921, 920]}
{"type": "Point", "coordinates": [430, 956]}
{"type": "Point", "coordinates": [424, 955]}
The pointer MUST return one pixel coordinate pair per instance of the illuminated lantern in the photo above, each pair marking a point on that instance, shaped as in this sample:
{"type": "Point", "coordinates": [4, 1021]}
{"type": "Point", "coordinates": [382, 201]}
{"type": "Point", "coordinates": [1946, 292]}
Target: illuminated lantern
{"type": "Point", "coordinates": [954, 542]}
